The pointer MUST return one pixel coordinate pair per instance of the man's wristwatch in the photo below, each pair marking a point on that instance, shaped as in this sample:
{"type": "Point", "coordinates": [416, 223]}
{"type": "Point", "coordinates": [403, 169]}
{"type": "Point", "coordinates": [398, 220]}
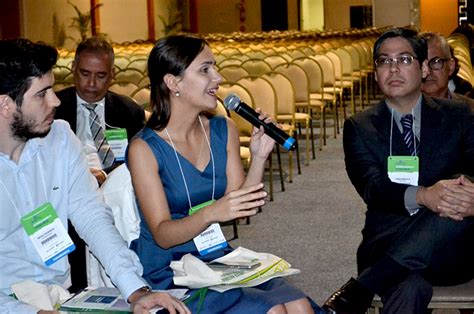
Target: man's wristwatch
{"type": "Point", "coordinates": [143, 289]}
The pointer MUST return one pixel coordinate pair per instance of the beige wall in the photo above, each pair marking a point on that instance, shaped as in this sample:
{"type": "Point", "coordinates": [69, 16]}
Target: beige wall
{"type": "Point", "coordinates": [121, 20]}
{"type": "Point", "coordinates": [337, 12]}
{"type": "Point", "coordinates": [391, 13]}
{"type": "Point", "coordinates": [37, 20]}
{"type": "Point", "coordinates": [222, 16]}
{"type": "Point", "coordinates": [124, 20]}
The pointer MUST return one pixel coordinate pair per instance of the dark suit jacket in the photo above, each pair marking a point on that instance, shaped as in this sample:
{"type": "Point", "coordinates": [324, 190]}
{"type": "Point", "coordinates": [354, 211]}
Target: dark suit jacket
{"type": "Point", "coordinates": [464, 99]}
{"type": "Point", "coordinates": [120, 111]}
{"type": "Point", "coordinates": [446, 149]}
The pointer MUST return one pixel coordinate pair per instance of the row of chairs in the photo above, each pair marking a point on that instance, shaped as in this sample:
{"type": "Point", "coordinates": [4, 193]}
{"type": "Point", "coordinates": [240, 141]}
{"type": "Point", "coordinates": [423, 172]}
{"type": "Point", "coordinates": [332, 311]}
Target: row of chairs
{"type": "Point", "coordinates": [333, 72]}
{"type": "Point", "coordinates": [462, 51]}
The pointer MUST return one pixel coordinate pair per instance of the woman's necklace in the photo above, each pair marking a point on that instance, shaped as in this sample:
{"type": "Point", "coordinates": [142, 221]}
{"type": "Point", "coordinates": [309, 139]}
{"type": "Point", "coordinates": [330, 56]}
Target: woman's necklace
{"type": "Point", "coordinates": [181, 168]}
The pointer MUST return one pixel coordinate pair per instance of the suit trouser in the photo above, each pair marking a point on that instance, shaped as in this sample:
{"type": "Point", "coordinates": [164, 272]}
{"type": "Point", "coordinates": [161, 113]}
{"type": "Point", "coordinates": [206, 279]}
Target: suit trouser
{"type": "Point", "coordinates": [428, 250]}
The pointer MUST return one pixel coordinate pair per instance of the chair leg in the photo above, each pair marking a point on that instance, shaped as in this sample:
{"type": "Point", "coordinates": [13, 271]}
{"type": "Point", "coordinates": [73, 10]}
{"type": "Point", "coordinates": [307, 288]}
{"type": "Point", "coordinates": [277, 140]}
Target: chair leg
{"type": "Point", "coordinates": [312, 138]}
{"type": "Point", "coordinates": [353, 107]}
{"type": "Point", "coordinates": [334, 113]}
{"type": "Point", "coordinates": [307, 142]}
{"type": "Point", "coordinates": [234, 228]}
{"type": "Point", "coordinates": [270, 175]}
{"type": "Point", "coordinates": [280, 168]}
{"type": "Point", "coordinates": [324, 125]}
{"type": "Point", "coordinates": [290, 164]}
{"type": "Point", "coordinates": [298, 161]}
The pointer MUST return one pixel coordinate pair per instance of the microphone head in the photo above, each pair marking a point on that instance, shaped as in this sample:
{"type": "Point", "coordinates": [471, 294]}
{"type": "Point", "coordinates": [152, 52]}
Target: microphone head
{"type": "Point", "coordinates": [231, 101]}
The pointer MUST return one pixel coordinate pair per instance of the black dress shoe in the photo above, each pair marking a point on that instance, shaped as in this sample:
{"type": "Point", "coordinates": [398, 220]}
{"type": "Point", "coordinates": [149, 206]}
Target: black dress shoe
{"type": "Point", "coordinates": [351, 298]}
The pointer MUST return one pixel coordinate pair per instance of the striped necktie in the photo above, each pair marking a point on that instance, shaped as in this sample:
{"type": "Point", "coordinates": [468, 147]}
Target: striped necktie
{"type": "Point", "coordinates": [408, 134]}
{"type": "Point", "coordinates": [103, 148]}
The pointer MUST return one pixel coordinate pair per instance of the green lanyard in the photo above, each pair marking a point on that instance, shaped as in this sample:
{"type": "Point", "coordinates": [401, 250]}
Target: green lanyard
{"type": "Point", "coordinates": [201, 293]}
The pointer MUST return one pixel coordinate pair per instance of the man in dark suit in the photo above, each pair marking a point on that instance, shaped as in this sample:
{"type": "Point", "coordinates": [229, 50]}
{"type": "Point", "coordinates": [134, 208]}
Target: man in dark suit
{"type": "Point", "coordinates": [407, 158]}
{"type": "Point", "coordinates": [441, 68]}
{"type": "Point", "coordinates": [93, 70]}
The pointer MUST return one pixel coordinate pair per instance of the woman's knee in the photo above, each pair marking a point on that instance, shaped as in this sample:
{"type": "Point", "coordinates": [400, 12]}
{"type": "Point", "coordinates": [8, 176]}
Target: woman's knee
{"type": "Point", "coordinates": [278, 309]}
{"type": "Point", "coordinates": [299, 306]}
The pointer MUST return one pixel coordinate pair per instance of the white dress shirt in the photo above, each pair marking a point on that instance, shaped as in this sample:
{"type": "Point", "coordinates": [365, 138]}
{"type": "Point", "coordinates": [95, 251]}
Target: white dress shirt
{"type": "Point", "coordinates": [53, 169]}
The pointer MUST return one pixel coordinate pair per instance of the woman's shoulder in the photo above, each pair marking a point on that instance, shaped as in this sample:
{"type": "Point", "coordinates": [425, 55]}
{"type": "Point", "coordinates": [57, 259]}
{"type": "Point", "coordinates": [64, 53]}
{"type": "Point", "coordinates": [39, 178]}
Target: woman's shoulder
{"type": "Point", "coordinates": [219, 126]}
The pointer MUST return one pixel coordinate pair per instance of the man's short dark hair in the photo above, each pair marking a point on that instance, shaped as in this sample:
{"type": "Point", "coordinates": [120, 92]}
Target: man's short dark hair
{"type": "Point", "coordinates": [21, 60]}
{"type": "Point", "coordinates": [95, 44]}
{"type": "Point", "coordinates": [420, 48]}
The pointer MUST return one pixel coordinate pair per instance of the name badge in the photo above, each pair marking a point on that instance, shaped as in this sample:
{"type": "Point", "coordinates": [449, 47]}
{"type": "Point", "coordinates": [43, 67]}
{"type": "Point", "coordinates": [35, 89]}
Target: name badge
{"type": "Point", "coordinates": [118, 141]}
{"type": "Point", "coordinates": [49, 237]}
{"type": "Point", "coordinates": [211, 239]}
{"type": "Point", "coordinates": [403, 169]}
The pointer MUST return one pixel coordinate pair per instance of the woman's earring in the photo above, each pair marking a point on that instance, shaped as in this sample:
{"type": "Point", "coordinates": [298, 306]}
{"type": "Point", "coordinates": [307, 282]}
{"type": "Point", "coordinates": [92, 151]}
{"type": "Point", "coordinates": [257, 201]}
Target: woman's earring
{"type": "Point", "coordinates": [177, 94]}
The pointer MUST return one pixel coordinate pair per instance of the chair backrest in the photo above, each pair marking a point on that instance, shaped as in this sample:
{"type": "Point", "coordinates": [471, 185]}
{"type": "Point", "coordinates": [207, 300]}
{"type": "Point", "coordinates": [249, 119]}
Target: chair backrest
{"type": "Point", "coordinates": [299, 80]}
{"type": "Point", "coordinates": [262, 92]}
{"type": "Point", "coordinates": [328, 69]}
{"type": "Point", "coordinates": [226, 88]}
{"type": "Point", "coordinates": [275, 60]}
{"type": "Point", "coordinates": [296, 53]}
{"type": "Point", "coordinates": [140, 64]}
{"type": "Point", "coordinates": [308, 50]}
{"type": "Point", "coordinates": [229, 51]}
{"type": "Point", "coordinates": [129, 75]}
{"type": "Point", "coordinates": [355, 57]}
{"type": "Point", "coordinates": [233, 72]}
{"type": "Point", "coordinates": [363, 55]}
{"type": "Point", "coordinates": [368, 50]}
{"type": "Point", "coordinates": [337, 63]}
{"type": "Point", "coordinates": [229, 61]}
{"type": "Point", "coordinates": [142, 96]}
{"type": "Point", "coordinates": [256, 66]}
{"type": "Point", "coordinates": [121, 62]}
{"type": "Point", "coordinates": [256, 54]}
{"type": "Point", "coordinates": [285, 93]}
{"type": "Point", "coordinates": [124, 88]}
{"type": "Point", "coordinates": [346, 60]}
{"type": "Point", "coordinates": [314, 72]}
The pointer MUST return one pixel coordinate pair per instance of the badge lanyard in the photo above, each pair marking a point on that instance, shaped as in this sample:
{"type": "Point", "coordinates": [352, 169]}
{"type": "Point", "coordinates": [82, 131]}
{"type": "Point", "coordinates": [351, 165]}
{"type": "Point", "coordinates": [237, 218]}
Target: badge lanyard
{"type": "Point", "coordinates": [403, 169]}
{"type": "Point", "coordinates": [44, 229]}
{"type": "Point", "coordinates": [212, 238]}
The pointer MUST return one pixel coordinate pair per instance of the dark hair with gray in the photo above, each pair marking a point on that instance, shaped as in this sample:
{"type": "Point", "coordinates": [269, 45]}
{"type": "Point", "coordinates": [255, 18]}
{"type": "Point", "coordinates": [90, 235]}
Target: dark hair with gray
{"type": "Point", "coordinates": [433, 37]}
{"type": "Point", "coordinates": [21, 61]}
{"type": "Point", "coordinates": [420, 48]}
{"type": "Point", "coordinates": [171, 55]}
{"type": "Point", "coordinates": [95, 44]}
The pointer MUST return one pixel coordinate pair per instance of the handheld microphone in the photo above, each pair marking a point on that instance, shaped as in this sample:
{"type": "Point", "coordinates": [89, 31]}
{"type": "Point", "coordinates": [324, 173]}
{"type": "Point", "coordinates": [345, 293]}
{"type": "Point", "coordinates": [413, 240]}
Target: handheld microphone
{"type": "Point", "coordinates": [233, 102]}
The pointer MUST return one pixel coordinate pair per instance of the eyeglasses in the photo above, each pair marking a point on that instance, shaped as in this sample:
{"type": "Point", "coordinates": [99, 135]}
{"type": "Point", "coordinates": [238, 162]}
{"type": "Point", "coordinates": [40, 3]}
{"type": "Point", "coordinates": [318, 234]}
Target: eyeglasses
{"type": "Point", "coordinates": [384, 62]}
{"type": "Point", "coordinates": [437, 63]}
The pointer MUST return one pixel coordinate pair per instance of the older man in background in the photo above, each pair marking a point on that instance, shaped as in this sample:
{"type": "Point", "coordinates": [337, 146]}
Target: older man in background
{"type": "Point", "coordinates": [441, 67]}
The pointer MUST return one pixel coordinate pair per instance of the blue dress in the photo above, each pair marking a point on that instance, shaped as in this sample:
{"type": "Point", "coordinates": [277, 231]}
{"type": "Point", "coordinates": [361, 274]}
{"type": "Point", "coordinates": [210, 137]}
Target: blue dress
{"type": "Point", "coordinates": [156, 260]}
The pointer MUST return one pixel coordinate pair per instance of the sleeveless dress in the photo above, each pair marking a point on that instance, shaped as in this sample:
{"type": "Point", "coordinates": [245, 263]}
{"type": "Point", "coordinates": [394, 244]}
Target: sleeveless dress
{"type": "Point", "coordinates": [156, 260]}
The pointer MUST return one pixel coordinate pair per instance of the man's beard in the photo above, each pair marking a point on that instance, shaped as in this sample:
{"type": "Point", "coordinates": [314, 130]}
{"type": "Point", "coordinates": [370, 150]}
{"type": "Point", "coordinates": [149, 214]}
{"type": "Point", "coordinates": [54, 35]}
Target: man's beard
{"type": "Point", "coordinates": [23, 130]}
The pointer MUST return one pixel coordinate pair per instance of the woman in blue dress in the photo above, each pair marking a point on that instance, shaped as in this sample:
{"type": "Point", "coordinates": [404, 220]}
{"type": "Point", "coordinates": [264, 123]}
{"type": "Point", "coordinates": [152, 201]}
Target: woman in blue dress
{"type": "Point", "coordinates": [188, 177]}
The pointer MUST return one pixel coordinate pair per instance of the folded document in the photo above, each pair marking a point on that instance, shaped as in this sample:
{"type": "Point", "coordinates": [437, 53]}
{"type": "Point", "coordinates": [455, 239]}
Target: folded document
{"type": "Point", "coordinates": [191, 272]}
